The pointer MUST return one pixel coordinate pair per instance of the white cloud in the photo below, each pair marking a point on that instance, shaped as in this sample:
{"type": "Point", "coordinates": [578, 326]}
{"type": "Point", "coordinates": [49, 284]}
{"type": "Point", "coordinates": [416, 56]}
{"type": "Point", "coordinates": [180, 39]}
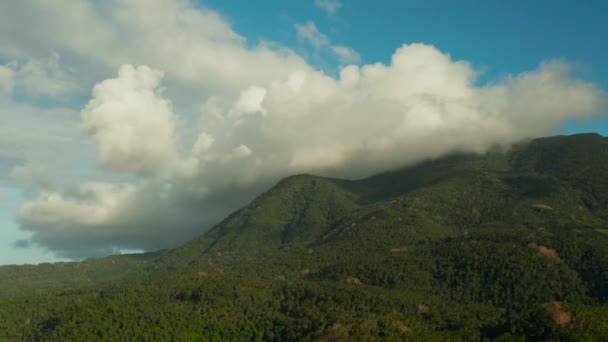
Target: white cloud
{"type": "Point", "coordinates": [380, 116]}
{"type": "Point", "coordinates": [331, 6]}
{"type": "Point", "coordinates": [250, 101]}
{"type": "Point", "coordinates": [346, 55]}
{"type": "Point", "coordinates": [132, 123]}
{"type": "Point", "coordinates": [310, 33]}
{"type": "Point", "coordinates": [193, 46]}
{"type": "Point", "coordinates": [91, 204]}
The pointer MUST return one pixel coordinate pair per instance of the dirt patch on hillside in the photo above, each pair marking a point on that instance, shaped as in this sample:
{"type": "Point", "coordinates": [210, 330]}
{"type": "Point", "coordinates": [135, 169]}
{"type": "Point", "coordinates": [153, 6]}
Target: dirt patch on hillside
{"type": "Point", "coordinates": [542, 206]}
{"type": "Point", "coordinates": [353, 280]}
{"type": "Point", "coordinates": [340, 332]}
{"type": "Point", "coordinates": [559, 316]}
{"type": "Point", "coordinates": [369, 324]}
{"type": "Point", "coordinates": [401, 327]}
{"type": "Point", "coordinates": [545, 251]}
{"type": "Point", "coordinates": [422, 309]}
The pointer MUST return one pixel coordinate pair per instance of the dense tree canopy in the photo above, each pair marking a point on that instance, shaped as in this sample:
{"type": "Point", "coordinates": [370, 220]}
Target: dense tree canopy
{"type": "Point", "coordinates": [509, 245]}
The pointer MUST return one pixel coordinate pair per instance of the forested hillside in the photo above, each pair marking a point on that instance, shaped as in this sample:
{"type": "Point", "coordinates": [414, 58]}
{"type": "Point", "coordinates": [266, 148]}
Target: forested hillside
{"type": "Point", "coordinates": [508, 245]}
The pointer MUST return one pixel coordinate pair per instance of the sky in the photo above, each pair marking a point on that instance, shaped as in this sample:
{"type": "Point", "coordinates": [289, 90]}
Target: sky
{"type": "Point", "coordinates": [137, 125]}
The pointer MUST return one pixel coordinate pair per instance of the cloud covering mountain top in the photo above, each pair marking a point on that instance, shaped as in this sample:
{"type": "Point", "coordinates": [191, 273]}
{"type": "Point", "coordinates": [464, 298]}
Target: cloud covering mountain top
{"type": "Point", "coordinates": [264, 114]}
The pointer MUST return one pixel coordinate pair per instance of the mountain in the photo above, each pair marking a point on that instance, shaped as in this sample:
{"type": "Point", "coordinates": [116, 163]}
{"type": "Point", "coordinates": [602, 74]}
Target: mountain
{"type": "Point", "coordinates": [508, 245]}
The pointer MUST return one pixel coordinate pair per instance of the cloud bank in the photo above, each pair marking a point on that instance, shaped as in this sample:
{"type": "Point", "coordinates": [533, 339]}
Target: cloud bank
{"type": "Point", "coordinates": [194, 46]}
{"type": "Point", "coordinates": [263, 114]}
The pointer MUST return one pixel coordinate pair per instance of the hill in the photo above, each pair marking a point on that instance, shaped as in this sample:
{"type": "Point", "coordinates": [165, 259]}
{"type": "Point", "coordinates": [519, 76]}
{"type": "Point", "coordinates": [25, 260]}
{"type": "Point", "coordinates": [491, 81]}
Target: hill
{"type": "Point", "coordinates": [501, 246]}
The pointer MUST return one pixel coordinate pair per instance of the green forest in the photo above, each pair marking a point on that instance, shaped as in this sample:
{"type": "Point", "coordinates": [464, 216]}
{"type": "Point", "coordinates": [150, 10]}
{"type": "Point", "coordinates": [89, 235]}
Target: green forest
{"type": "Point", "coordinates": [509, 245]}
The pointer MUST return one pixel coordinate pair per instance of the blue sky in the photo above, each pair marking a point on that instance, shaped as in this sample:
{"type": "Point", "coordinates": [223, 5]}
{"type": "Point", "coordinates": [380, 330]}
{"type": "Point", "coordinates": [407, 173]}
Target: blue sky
{"type": "Point", "coordinates": [498, 37]}
{"type": "Point", "coordinates": [504, 37]}
{"type": "Point", "coordinates": [10, 199]}
{"type": "Point", "coordinates": [140, 131]}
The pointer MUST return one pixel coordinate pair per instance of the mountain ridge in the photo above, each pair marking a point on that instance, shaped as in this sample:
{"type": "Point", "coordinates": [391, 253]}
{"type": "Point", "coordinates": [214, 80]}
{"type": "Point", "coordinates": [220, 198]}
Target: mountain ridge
{"type": "Point", "coordinates": [469, 246]}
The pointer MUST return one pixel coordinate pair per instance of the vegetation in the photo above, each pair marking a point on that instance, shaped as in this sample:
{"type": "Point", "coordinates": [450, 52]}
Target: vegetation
{"type": "Point", "coordinates": [509, 245]}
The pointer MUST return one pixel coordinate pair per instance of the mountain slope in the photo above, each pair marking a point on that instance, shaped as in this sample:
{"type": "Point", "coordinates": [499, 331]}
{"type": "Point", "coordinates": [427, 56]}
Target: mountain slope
{"type": "Point", "coordinates": [296, 211]}
{"type": "Point", "coordinates": [522, 187]}
{"type": "Point", "coordinates": [506, 245]}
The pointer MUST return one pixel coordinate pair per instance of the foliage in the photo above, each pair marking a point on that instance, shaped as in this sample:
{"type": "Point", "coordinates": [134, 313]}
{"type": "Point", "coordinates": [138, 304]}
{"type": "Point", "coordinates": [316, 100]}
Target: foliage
{"type": "Point", "coordinates": [509, 245]}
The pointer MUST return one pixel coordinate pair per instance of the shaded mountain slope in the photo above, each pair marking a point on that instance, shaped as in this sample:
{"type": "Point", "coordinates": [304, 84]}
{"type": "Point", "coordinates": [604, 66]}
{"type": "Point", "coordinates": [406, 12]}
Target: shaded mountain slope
{"type": "Point", "coordinates": [296, 211]}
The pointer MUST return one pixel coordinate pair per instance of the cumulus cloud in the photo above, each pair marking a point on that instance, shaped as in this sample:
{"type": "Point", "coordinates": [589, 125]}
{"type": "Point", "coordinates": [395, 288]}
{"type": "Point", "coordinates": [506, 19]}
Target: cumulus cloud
{"type": "Point", "coordinates": [264, 114]}
{"type": "Point", "coordinates": [379, 116]}
{"type": "Point", "coordinates": [331, 6]}
{"type": "Point", "coordinates": [192, 45]}
{"type": "Point", "coordinates": [131, 122]}
{"type": "Point", "coordinates": [250, 101]}
{"type": "Point", "coordinates": [320, 42]}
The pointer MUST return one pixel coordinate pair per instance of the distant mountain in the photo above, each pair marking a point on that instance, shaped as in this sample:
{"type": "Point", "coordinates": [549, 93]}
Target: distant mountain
{"type": "Point", "coordinates": [445, 195]}
{"type": "Point", "coordinates": [508, 245]}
